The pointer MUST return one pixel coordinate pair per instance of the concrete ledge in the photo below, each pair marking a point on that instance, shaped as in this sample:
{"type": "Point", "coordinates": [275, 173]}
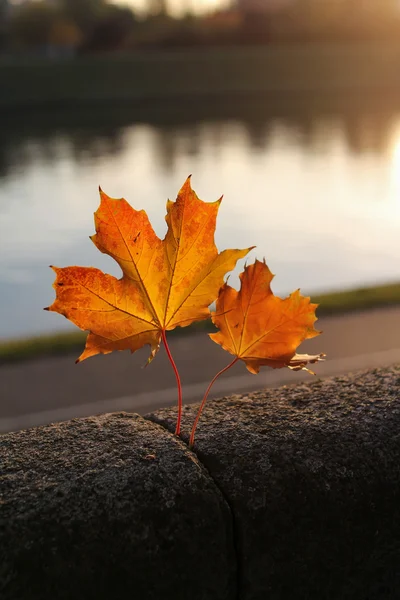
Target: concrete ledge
{"type": "Point", "coordinates": [298, 498]}
{"type": "Point", "coordinates": [312, 476]}
{"type": "Point", "coordinates": [112, 507]}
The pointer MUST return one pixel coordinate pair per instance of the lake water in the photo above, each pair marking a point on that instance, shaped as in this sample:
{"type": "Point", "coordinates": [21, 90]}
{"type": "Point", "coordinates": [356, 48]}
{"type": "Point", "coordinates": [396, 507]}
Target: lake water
{"type": "Point", "coordinates": [318, 195]}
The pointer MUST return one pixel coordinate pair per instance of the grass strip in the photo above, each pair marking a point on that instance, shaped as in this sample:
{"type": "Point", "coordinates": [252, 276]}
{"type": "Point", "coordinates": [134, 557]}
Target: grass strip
{"type": "Point", "coordinates": [70, 342]}
{"type": "Point", "coordinates": [358, 299]}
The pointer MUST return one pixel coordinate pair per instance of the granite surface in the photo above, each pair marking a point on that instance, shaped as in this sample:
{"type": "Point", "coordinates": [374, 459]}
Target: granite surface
{"type": "Point", "coordinates": [312, 475]}
{"type": "Point", "coordinates": [111, 507]}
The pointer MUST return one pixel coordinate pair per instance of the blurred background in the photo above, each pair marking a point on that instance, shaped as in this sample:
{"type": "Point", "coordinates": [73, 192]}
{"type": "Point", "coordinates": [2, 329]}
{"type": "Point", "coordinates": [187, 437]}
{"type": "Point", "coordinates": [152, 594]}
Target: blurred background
{"type": "Point", "coordinates": [289, 108]}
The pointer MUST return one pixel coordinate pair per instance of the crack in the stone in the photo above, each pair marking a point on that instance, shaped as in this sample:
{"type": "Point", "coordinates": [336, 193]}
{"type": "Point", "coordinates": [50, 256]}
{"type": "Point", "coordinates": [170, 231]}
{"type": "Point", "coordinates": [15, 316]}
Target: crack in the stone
{"type": "Point", "coordinates": [235, 536]}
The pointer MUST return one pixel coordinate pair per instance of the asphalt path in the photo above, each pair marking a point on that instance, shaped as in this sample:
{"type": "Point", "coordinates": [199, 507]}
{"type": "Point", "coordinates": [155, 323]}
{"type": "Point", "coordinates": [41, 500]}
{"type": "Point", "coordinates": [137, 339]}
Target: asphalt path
{"type": "Point", "coordinates": [45, 390]}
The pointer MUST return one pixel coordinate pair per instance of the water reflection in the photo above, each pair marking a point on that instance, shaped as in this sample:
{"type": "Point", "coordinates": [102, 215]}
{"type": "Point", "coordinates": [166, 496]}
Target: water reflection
{"type": "Point", "coordinates": [318, 195]}
{"type": "Point", "coordinates": [20, 146]}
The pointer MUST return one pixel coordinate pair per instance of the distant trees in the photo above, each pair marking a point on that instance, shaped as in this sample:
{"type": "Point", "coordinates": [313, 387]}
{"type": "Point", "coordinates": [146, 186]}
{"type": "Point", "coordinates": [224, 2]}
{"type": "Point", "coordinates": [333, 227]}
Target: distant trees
{"type": "Point", "coordinates": [111, 30]}
{"type": "Point", "coordinates": [64, 33]}
{"type": "Point", "coordinates": [85, 13]}
{"type": "Point", "coordinates": [67, 26]}
{"type": "Point", "coordinates": [31, 23]}
{"type": "Point", "coordinates": [339, 20]}
{"type": "Point", "coordinates": [158, 7]}
{"type": "Point", "coordinates": [90, 25]}
{"type": "Point", "coordinates": [3, 23]}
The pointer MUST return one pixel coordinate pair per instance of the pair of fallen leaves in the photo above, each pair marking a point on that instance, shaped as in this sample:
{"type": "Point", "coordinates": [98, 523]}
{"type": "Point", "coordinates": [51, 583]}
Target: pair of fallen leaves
{"type": "Point", "coordinates": [172, 282]}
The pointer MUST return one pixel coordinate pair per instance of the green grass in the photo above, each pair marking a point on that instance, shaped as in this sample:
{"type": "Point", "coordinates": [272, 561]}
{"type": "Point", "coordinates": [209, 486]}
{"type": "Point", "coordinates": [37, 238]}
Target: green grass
{"type": "Point", "coordinates": [329, 304]}
{"type": "Point", "coordinates": [46, 345]}
{"type": "Point", "coordinates": [358, 299]}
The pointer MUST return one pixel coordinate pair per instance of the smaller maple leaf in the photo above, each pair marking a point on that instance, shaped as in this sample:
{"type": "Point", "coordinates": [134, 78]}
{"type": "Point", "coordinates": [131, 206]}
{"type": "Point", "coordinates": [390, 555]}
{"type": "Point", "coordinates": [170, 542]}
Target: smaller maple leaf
{"type": "Point", "coordinates": [260, 328]}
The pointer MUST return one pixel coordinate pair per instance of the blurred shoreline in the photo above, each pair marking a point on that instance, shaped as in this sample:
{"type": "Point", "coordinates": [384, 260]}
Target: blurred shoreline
{"type": "Point", "coordinates": [330, 305]}
{"type": "Point", "coordinates": [320, 71]}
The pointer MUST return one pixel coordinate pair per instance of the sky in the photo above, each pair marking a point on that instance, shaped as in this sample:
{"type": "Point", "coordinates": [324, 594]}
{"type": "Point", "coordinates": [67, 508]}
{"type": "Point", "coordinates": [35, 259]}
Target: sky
{"type": "Point", "coordinates": [179, 7]}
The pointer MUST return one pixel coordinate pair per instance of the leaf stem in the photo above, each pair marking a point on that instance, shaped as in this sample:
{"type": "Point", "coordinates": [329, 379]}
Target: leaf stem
{"type": "Point", "coordinates": [191, 441]}
{"type": "Point", "coordinates": [178, 383]}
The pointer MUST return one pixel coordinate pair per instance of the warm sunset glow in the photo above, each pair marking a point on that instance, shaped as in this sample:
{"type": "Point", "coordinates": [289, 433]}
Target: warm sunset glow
{"type": "Point", "coordinates": [396, 160]}
{"type": "Point", "coordinates": [395, 170]}
{"type": "Point", "coordinates": [179, 7]}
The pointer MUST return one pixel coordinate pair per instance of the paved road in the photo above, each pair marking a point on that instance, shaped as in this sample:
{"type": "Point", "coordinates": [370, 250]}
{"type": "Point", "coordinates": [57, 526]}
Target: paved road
{"type": "Point", "coordinates": [55, 389]}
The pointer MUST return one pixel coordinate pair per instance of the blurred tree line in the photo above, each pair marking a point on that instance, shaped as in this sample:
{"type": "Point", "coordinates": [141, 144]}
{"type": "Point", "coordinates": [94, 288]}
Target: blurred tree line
{"type": "Point", "coordinates": [69, 25]}
{"type": "Point", "coordinates": [66, 27]}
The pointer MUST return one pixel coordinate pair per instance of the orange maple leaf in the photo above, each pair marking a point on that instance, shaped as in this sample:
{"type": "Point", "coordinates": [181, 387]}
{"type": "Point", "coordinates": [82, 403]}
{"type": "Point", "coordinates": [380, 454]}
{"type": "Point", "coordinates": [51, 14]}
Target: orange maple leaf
{"type": "Point", "coordinates": [260, 328]}
{"type": "Point", "coordinates": [165, 283]}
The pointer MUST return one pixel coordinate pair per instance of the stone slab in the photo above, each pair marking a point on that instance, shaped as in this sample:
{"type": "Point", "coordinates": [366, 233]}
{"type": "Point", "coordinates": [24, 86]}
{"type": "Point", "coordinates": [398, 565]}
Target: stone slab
{"type": "Point", "coordinates": [312, 476]}
{"type": "Point", "coordinates": [111, 507]}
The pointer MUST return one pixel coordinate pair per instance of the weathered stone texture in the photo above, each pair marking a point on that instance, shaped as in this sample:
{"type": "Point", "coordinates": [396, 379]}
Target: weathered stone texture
{"type": "Point", "coordinates": [312, 475]}
{"type": "Point", "coordinates": [111, 507]}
